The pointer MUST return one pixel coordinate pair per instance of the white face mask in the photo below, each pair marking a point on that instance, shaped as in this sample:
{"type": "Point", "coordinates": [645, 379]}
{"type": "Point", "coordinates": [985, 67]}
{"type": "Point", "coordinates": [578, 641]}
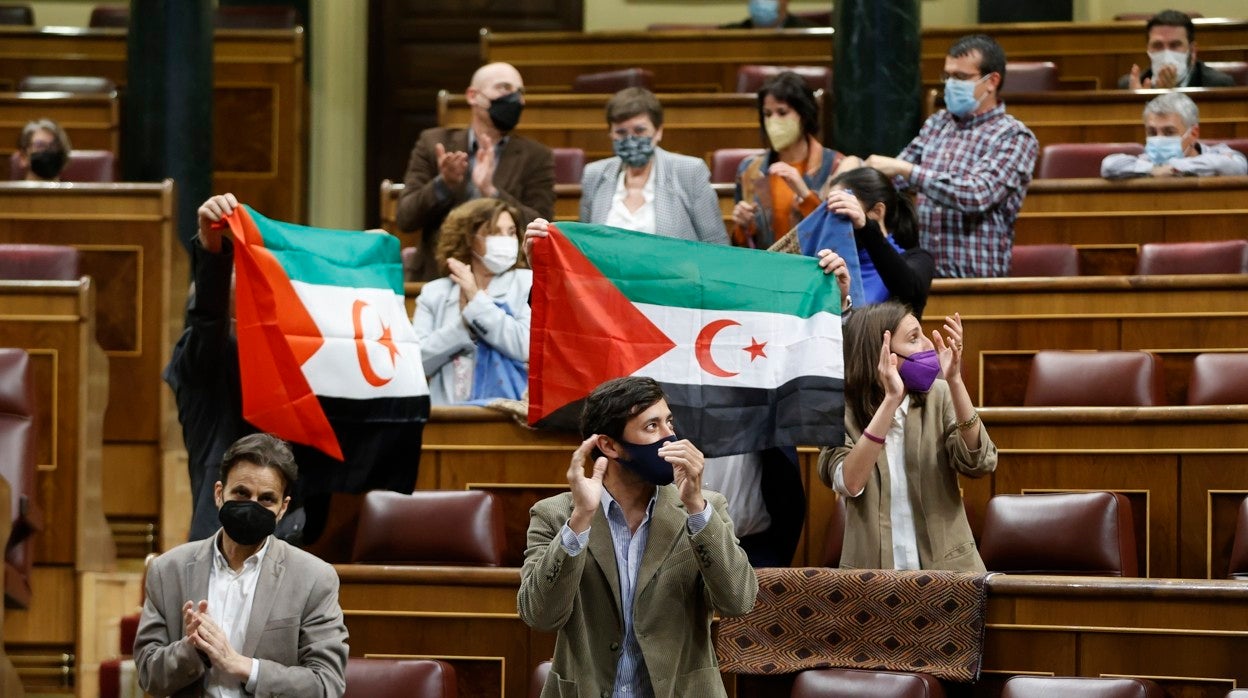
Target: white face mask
{"type": "Point", "coordinates": [1178, 59]}
{"type": "Point", "coordinates": [501, 252]}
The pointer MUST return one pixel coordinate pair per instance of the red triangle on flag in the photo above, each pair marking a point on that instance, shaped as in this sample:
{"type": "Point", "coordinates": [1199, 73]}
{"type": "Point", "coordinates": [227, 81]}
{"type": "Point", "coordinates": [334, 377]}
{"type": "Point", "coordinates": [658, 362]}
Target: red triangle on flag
{"type": "Point", "coordinates": [584, 329]}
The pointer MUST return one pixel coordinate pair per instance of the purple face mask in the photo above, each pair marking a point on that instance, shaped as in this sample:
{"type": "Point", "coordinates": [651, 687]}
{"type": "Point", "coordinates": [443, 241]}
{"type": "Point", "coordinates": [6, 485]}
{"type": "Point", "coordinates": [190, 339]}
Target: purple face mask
{"type": "Point", "coordinates": [919, 370]}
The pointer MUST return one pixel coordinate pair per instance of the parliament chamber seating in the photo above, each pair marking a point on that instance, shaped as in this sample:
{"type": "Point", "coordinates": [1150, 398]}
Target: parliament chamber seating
{"type": "Point", "coordinates": [399, 678]}
{"type": "Point", "coordinates": [408, 256]}
{"type": "Point", "coordinates": [109, 17]}
{"type": "Point", "coordinates": [28, 262]}
{"type": "Point", "coordinates": [17, 15]}
{"type": "Point", "coordinates": [1212, 257]}
{"type": "Point", "coordinates": [1095, 379]}
{"type": "Point", "coordinates": [1218, 379]}
{"type": "Point", "coordinates": [725, 161]}
{"type": "Point", "coordinates": [17, 466]}
{"type": "Point", "coordinates": [1075, 533]}
{"type": "Point", "coordinates": [569, 164]}
{"type": "Point", "coordinates": [612, 81]}
{"type": "Point", "coordinates": [1145, 16]}
{"type": "Point", "coordinates": [1030, 76]}
{"type": "Point", "coordinates": [1079, 160]}
{"type": "Point", "coordinates": [73, 84]}
{"type": "Point", "coordinates": [119, 671]}
{"type": "Point", "coordinates": [1080, 687]}
{"type": "Point", "coordinates": [1044, 260]}
{"type": "Point", "coordinates": [1238, 70]}
{"type": "Point", "coordinates": [256, 17]}
{"type": "Point", "coordinates": [539, 679]}
{"type": "Point", "coordinates": [430, 527]}
{"type": "Point", "coordinates": [750, 78]}
{"type": "Point", "coordinates": [1240, 144]}
{"type": "Point", "coordinates": [1238, 569]}
{"type": "Point", "coordinates": [861, 683]}
{"type": "Point", "coordinates": [82, 166]}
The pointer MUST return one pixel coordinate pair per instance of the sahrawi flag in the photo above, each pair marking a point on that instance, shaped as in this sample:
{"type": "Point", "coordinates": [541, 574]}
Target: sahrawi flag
{"type": "Point", "coordinates": [321, 324]}
{"type": "Point", "coordinates": [746, 343]}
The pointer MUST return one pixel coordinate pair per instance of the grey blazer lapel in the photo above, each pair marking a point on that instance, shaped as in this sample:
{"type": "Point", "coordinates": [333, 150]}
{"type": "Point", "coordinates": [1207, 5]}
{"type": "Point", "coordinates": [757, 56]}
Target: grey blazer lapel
{"type": "Point", "coordinates": [195, 579]}
{"type": "Point", "coordinates": [267, 586]}
{"type": "Point", "coordinates": [603, 551]}
{"type": "Point", "coordinates": [605, 191]}
{"type": "Point", "coordinates": [667, 524]}
{"type": "Point", "coordinates": [665, 197]}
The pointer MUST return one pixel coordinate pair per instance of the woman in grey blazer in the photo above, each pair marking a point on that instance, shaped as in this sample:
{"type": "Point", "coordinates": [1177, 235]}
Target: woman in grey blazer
{"type": "Point", "coordinates": [644, 187]}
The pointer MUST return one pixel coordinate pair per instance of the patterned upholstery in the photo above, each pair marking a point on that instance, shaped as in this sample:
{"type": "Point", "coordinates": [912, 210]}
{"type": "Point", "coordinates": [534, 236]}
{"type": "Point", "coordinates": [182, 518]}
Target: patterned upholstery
{"type": "Point", "coordinates": [1095, 379]}
{"type": "Point", "coordinates": [1079, 160]}
{"type": "Point", "coordinates": [1044, 260]}
{"type": "Point", "coordinates": [1079, 687]}
{"type": "Point", "coordinates": [1214, 257]}
{"type": "Point", "coordinates": [1218, 379]}
{"type": "Point", "coordinates": [1238, 568]}
{"type": "Point", "coordinates": [861, 683]}
{"type": "Point", "coordinates": [399, 678]}
{"type": "Point", "coordinates": [456, 528]}
{"type": "Point", "coordinates": [1078, 533]}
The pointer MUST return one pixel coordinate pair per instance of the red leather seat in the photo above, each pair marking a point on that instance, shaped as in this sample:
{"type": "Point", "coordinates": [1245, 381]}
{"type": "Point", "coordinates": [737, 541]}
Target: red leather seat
{"type": "Point", "coordinates": [612, 81]}
{"type": "Point", "coordinates": [430, 527]}
{"type": "Point", "coordinates": [1238, 568]}
{"type": "Point", "coordinates": [109, 17]}
{"type": "Point", "coordinates": [1079, 687]}
{"type": "Point", "coordinates": [17, 15]}
{"type": "Point", "coordinates": [256, 17]}
{"type": "Point", "coordinates": [74, 84]}
{"type": "Point", "coordinates": [1079, 160]}
{"type": "Point", "coordinates": [725, 161]}
{"type": "Point", "coordinates": [538, 682]}
{"type": "Point", "coordinates": [1218, 379]}
{"type": "Point", "coordinates": [1213, 257]}
{"type": "Point", "coordinates": [1240, 144]}
{"type": "Point", "coordinates": [399, 678]}
{"type": "Point", "coordinates": [1030, 76]}
{"type": "Point", "coordinates": [750, 78]}
{"type": "Point", "coordinates": [1044, 260]}
{"type": "Point", "coordinates": [17, 466]}
{"type": "Point", "coordinates": [22, 262]}
{"type": "Point", "coordinates": [1238, 70]}
{"type": "Point", "coordinates": [820, 18]}
{"type": "Point", "coordinates": [83, 166]}
{"type": "Point", "coordinates": [1095, 379]}
{"type": "Point", "coordinates": [1080, 533]}
{"type": "Point", "coordinates": [678, 26]}
{"type": "Point", "coordinates": [861, 683]}
{"type": "Point", "coordinates": [569, 164]}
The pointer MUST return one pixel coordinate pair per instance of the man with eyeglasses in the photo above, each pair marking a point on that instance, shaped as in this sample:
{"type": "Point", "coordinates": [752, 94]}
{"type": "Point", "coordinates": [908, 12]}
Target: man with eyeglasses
{"type": "Point", "coordinates": [969, 166]}
{"type": "Point", "coordinates": [449, 166]}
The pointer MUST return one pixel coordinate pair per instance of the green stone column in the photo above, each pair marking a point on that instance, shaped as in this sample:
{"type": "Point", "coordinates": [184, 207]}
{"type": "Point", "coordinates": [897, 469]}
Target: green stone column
{"type": "Point", "coordinates": [167, 106]}
{"type": "Point", "coordinates": [876, 82]}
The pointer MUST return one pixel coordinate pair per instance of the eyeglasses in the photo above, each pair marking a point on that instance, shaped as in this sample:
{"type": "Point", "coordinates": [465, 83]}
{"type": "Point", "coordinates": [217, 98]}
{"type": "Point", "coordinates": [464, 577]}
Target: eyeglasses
{"type": "Point", "coordinates": [959, 76]}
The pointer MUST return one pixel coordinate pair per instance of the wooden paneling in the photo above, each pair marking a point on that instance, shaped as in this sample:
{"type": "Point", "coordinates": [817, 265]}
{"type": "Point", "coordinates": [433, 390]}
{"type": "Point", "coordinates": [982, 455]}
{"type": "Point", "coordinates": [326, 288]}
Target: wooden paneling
{"type": "Point", "coordinates": [124, 233]}
{"type": "Point", "coordinates": [260, 102]}
{"type": "Point", "coordinates": [92, 121]}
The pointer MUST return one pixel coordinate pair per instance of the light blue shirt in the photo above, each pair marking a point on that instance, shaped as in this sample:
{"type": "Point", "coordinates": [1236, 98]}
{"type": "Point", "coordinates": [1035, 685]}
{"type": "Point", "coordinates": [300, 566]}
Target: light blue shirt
{"type": "Point", "coordinates": [631, 676]}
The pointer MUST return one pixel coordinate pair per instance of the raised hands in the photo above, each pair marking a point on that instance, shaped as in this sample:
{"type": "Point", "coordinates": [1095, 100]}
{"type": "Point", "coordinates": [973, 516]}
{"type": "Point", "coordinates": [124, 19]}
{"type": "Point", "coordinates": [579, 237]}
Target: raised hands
{"type": "Point", "coordinates": [452, 166]}
{"type": "Point", "coordinates": [950, 352]}
{"type": "Point", "coordinates": [211, 214]}
{"type": "Point", "coordinates": [687, 465]}
{"type": "Point", "coordinates": [886, 371]}
{"type": "Point", "coordinates": [483, 166]}
{"type": "Point", "coordinates": [586, 489]}
{"type": "Point", "coordinates": [846, 204]}
{"type": "Point", "coordinates": [832, 263]}
{"type": "Point", "coordinates": [461, 274]}
{"type": "Point", "coordinates": [791, 177]}
{"type": "Point", "coordinates": [537, 228]}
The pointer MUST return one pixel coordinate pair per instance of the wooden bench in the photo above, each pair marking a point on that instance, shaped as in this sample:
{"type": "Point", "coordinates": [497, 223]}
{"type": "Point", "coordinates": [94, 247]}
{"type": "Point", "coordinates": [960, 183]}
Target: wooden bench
{"type": "Point", "coordinates": [92, 121]}
{"type": "Point", "coordinates": [682, 61]}
{"type": "Point", "coordinates": [54, 321]}
{"type": "Point", "coordinates": [124, 233]}
{"type": "Point", "coordinates": [259, 101]}
{"type": "Point", "coordinates": [1036, 624]}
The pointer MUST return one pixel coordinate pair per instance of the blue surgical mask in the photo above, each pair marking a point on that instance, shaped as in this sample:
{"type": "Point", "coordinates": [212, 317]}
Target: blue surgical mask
{"type": "Point", "coordinates": [635, 151]}
{"type": "Point", "coordinates": [960, 96]}
{"type": "Point", "coordinates": [765, 13]}
{"type": "Point", "coordinates": [1163, 149]}
{"type": "Point", "coordinates": [644, 459]}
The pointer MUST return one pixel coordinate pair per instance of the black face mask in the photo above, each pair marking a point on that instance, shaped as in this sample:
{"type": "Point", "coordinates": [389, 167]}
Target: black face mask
{"type": "Point", "coordinates": [47, 163]}
{"type": "Point", "coordinates": [246, 522]}
{"type": "Point", "coordinates": [505, 111]}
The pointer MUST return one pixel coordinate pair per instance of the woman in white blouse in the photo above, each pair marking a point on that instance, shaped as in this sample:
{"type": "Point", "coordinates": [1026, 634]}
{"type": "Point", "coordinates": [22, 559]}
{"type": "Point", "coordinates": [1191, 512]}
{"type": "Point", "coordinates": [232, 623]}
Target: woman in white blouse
{"type": "Point", "coordinates": [473, 323]}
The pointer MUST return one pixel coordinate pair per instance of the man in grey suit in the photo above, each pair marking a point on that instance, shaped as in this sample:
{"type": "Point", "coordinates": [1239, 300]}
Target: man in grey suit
{"type": "Point", "coordinates": [243, 613]}
{"type": "Point", "coordinates": [629, 566]}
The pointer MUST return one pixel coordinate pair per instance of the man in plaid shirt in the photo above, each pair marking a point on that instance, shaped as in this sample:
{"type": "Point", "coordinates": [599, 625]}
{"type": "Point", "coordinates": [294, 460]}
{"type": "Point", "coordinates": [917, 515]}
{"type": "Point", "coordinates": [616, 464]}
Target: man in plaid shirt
{"type": "Point", "coordinates": [970, 165]}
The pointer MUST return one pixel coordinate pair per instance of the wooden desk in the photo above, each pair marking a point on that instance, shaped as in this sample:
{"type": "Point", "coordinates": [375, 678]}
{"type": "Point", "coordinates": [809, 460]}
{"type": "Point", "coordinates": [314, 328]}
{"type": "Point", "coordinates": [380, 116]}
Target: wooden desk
{"type": "Point", "coordinates": [124, 233]}
{"type": "Point", "coordinates": [693, 124]}
{"type": "Point", "coordinates": [1101, 51]}
{"type": "Point", "coordinates": [92, 121]}
{"type": "Point", "coordinates": [54, 321]}
{"type": "Point", "coordinates": [682, 61]}
{"type": "Point", "coordinates": [259, 101]}
{"type": "Point", "coordinates": [1191, 633]}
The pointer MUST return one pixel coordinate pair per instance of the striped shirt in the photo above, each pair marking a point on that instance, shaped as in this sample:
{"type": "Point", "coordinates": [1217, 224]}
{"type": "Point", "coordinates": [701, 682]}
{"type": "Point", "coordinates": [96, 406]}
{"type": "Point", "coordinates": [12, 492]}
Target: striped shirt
{"type": "Point", "coordinates": [971, 176]}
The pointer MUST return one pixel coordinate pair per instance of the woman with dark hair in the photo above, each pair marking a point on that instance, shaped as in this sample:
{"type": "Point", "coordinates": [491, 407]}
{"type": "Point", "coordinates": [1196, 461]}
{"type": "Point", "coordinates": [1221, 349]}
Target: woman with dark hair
{"type": "Point", "coordinates": [780, 187]}
{"type": "Point", "coordinates": [908, 434]}
{"type": "Point", "coordinates": [891, 263]}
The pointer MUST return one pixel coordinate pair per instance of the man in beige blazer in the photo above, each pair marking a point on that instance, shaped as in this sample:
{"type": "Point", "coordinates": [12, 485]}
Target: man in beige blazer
{"type": "Point", "coordinates": [243, 613]}
{"type": "Point", "coordinates": [629, 566]}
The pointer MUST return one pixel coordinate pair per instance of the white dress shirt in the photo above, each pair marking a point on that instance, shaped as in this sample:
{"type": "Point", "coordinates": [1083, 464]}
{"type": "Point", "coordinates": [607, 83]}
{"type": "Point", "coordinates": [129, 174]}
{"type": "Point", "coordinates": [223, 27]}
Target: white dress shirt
{"type": "Point", "coordinates": [642, 220]}
{"type": "Point", "coordinates": [230, 595]}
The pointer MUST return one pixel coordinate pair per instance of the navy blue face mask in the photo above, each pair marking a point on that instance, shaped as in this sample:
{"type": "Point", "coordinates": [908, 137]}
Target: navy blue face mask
{"type": "Point", "coordinates": [644, 459]}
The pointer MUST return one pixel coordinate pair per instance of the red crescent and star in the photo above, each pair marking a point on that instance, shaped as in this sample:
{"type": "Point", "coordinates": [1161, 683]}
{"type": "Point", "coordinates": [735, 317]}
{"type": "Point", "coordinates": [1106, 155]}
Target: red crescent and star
{"type": "Point", "coordinates": [361, 350]}
{"type": "Point", "coordinates": [702, 348]}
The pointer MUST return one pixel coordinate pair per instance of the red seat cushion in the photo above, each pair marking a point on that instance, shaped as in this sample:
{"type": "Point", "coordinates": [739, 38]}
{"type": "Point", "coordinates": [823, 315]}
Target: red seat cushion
{"type": "Point", "coordinates": [456, 528]}
{"type": "Point", "coordinates": [860, 683]}
{"type": "Point", "coordinates": [1095, 379]}
{"type": "Point", "coordinates": [1081, 533]}
{"type": "Point", "coordinates": [1213, 257]}
{"type": "Point", "coordinates": [1079, 160]}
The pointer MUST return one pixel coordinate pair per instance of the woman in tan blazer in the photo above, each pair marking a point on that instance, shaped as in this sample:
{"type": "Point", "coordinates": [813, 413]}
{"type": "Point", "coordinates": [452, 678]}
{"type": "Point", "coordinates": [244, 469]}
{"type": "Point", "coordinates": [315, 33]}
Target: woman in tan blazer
{"type": "Point", "coordinates": [907, 436]}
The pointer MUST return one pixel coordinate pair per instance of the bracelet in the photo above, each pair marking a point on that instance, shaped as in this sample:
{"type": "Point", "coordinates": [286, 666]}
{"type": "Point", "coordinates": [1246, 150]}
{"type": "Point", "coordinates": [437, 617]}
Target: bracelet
{"type": "Point", "coordinates": [972, 421]}
{"type": "Point", "coordinates": [873, 437]}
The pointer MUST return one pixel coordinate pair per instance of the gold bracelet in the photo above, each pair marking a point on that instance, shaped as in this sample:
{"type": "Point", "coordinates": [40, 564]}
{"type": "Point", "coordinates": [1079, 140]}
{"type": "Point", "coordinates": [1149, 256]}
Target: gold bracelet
{"type": "Point", "coordinates": [972, 421]}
